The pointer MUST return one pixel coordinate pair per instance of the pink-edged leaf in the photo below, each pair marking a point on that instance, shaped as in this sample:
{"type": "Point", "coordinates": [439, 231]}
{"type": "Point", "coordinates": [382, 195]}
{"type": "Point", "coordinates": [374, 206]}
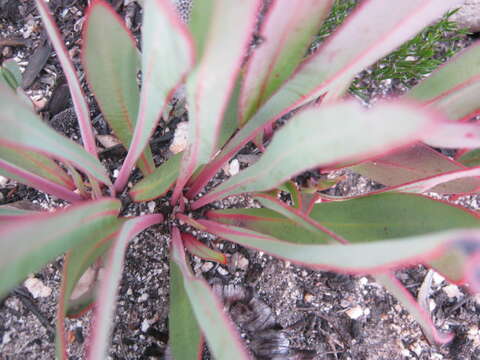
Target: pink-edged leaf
{"type": "Point", "coordinates": [210, 85]}
{"type": "Point", "coordinates": [359, 258]}
{"type": "Point", "coordinates": [294, 149]}
{"type": "Point", "coordinates": [78, 98]}
{"type": "Point", "coordinates": [415, 163]}
{"type": "Point", "coordinates": [26, 245]}
{"type": "Point", "coordinates": [463, 103]}
{"type": "Point", "coordinates": [222, 337]}
{"type": "Point", "coordinates": [454, 135]}
{"type": "Point", "coordinates": [24, 130]}
{"type": "Point", "coordinates": [197, 248]}
{"type": "Point", "coordinates": [363, 219]}
{"type": "Point", "coordinates": [185, 338]}
{"type": "Point", "coordinates": [107, 293]}
{"type": "Point", "coordinates": [424, 185]}
{"type": "Point", "coordinates": [454, 87]}
{"type": "Point", "coordinates": [15, 211]}
{"type": "Point", "coordinates": [159, 182]}
{"type": "Point", "coordinates": [470, 158]}
{"type": "Point", "coordinates": [269, 222]}
{"type": "Point", "coordinates": [111, 62]}
{"type": "Point", "coordinates": [167, 55]}
{"type": "Point", "coordinates": [288, 30]}
{"type": "Point", "coordinates": [38, 164]}
{"type": "Point", "coordinates": [357, 44]}
{"type": "Point", "coordinates": [390, 282]}
{"type": "Point", "coordinates": [14, 172]}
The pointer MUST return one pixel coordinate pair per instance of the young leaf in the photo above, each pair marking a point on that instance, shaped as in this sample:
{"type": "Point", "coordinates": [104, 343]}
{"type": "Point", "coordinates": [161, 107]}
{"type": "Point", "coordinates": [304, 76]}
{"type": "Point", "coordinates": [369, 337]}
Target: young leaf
{"type": "Point", "coordinates": [40, 238]}
{"type": "Point", "coordinates": [210, 85]}
{"type": "Point", "coordinates": [288, 30]}
{"type": "Point", "coordinates": [104, 313]}
{"type": "Point", "coordinates": [294, 149]}
{"type": "Point", "coordinates": [185, 337]}
{"type": "Point", "coordinates": [111, 62]}
{"type": "Point", "coordinates": [163, 37]}
{"type": "Point", "coordinates": [415, 163]}
{"type": "Point", "coordinates": [159, 182]}
{"type": "Point", "coordinates": [78, 98]}
{"type": "Point", "coordinates": [201, 250]}
{"type": "Point", "coordinates": [353, 47]}
{"type": "Point", "coordinates": [23, 130]}
{"type": "Point", "coordinates": [390, 282]}
{"type": "Point", "coordinates": [222, 337]}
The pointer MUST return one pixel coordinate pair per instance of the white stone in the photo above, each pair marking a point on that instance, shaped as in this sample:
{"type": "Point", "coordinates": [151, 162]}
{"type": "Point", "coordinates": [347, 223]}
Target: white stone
{"type": "Point", "coordinates": [468, 16]}
{"type": "Point", "coordinates": [222, 271]}
{"type": "Point", "coordinates": [3, 181]}
{"type": "Point", "coordinates": [145, 325]}
{"type": "Point", "coordinates": [207, 266]}
{"type": "Point", "coordinates": [180, 138]}
{"type": "Point", "coordinates": [37, 288]}
{"type": "Point", "coordinates": [355, 312]}
{"type": "Point", "coordinates": [233, 167]}
{"type": "Point", "coordinates": [143, 297]}
{"type": "Point", "coordinates": [151, 206]}
{"type": "Point", "coordinates": [453, 291]}
{"type": "Point", "coordinates": [437, 278]}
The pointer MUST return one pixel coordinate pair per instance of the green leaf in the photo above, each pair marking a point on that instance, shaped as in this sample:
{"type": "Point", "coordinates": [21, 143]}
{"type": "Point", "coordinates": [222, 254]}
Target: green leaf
{"type": "Point", "coordinates": [26, 245]}
{"type": "Point", "coordinates": [36, 163]}
{"type": "Point", "coordinates": [211, 84]}
{"type": "Point", "coordinates": [294, 149]}
{"type": "Point", "coordinates": [185, 337]}
{"type": "Point", "coordinates": [287, 30]}
{"type": "Point", "coordinates": [459, 71]}
{"type": "Point", "coordinates": [11, 74]}
{"type": "Point", "coordinates": [159, 182]}
{"type": "Point", "coordinates": [222, 338]}
{"type": "Point", "coordinates": [470, 158]}
{"type": "Point", "coordinates": [356, 45]}
{"type": "Point", "coordinates": [23, 129]}
{"type": "Point", "coordinates": [199, 24]}
{"type": "Point", "coordinates": [369, 218]}
{"type": "Point", "coordinates": [167, 56]}
{"type": "Point", "coordinates": [111, 62]}
{"type": "Point", "coordinates": [359, 258]}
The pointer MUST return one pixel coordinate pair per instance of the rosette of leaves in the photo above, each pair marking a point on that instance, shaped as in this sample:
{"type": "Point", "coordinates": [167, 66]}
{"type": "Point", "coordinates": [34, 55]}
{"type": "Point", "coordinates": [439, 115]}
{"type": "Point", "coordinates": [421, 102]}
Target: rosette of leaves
{"type": "Point", "coordinates": [232, 102]}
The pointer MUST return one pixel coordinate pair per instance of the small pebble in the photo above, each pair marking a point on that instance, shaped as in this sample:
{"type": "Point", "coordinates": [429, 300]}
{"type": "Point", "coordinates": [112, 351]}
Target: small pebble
{"type": "Point", "coordinates": [7, 52]}
{"type": "Point", "coordinates": [3, 181]}
{"type": "Point", "coordinates": [206, 267]}
{"type": "Point", "coordinates": [180, 138]}
{"type": "Point", "coordinates": [151, 206]}
{"type": "Point", "coordinates": [143, 297]}
{"type": "Point", "coordinates": [37, 288]}
{"type": "Point", "coordinates": [222, 271]}
{"type": "Point", "coordinates": [453, 291]}
{"type": "Point", "coordinates": [145, 325]}
{"type": "Point", "coordinates": [355, 312]}
{"type": "Point", "coordinates": [308, 298]}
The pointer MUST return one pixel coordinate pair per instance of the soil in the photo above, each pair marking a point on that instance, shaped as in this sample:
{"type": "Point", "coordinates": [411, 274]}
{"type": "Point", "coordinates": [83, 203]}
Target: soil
{"type": "Point", "coordinates": [283, 311]}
